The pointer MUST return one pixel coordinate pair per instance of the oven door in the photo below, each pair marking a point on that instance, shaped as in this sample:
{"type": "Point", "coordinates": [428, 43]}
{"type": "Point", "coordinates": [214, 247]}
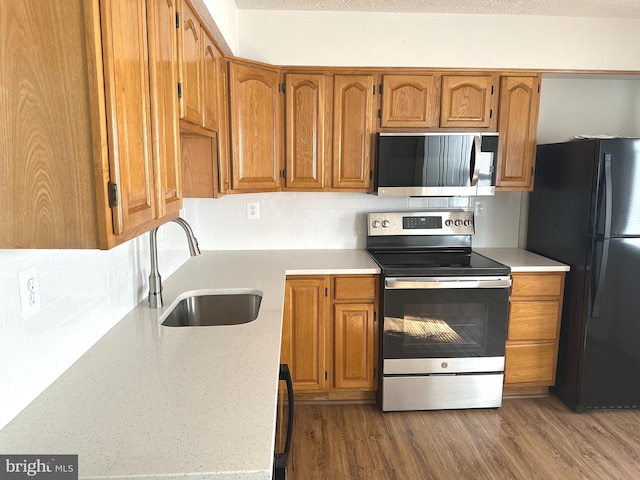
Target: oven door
{"type": "Point", "coordinates": [460, 319]}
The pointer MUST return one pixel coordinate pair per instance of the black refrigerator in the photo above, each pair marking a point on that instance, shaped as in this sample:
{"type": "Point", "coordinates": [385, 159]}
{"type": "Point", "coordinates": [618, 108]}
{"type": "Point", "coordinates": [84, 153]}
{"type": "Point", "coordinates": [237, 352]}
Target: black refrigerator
{"type": "Point", "coordinates": [585, 212]}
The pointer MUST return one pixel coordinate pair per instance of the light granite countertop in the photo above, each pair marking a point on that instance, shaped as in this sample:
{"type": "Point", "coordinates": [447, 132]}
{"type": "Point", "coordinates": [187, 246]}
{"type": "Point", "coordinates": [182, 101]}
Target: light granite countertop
{"type": "Point", "coordinates": [189, 402]}
{"type": "Point", "coordinates": [522, 260]}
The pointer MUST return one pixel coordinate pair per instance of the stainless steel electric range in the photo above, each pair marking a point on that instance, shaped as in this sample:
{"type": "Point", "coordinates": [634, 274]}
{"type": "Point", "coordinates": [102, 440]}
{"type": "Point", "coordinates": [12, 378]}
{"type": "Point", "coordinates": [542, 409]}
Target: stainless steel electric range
{"type": "Point", "coordinates": [445, 311]}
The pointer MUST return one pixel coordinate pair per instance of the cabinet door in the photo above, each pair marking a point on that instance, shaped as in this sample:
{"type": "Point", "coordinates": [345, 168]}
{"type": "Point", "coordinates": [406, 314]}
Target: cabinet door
{"type": "Point", "coordinates": [126, 66]}
{"type": "Point", "coordinates": [304, 131]}
{"type": "Point", "coordinates": [533, 320]}
{"type": "Point", "coordinates": [163, 67]}
{"type": "Point", "coordinates": [353, 125]}
{"type": "Point", "coordinates": [355, 287]}
{"type": "Point", "coordinates": [518, 125]}
{"type": "Point", "coordinates": [537, 284]}
{"type": "Point", "coordinates": [224, 153]}
{"type": "Point", "coordinates": [52, 176]}
{"type": "Point", "coordinates": [199, 164]}
{"type": "Point", "coordinates": [304, 332]}
{"type": "Point", "coordinates": [256, 154]}
{"type": "Point", "coordinates": [354, 357]}
{"type": "Point", "coordinates": [210, 93]}
{"type": "Point", "coordinates": [530, 363]}
{"type": "Point", "coordinates": [467, 101]}
{"type": "Point", "coordinates": [409, 101]}
{"type": "Point", "coordinates": [191, 75]}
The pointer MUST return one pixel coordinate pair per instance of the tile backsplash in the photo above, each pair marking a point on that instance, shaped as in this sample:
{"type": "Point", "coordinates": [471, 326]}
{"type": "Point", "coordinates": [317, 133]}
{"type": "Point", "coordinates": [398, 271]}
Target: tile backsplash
{"type": "Point", "coordinates": [292, 220]}
{"type": "Point", "coordinates": [85, 292]}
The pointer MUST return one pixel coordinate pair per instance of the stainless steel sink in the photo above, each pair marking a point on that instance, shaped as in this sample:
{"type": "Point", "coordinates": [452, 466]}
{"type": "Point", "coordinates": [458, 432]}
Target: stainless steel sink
{"type": "Point", "coordinates": [214, 309]}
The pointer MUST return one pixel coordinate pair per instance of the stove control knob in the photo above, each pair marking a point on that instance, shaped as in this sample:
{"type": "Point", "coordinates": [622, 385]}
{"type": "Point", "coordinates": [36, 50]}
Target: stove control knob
{"type": "Point", "coordinates": [385, 223]}
{"type": "Point", "coordinates": [468, 223]}
{"type": "Point", "coordinates": [448, 223]}
{"type": "Point", "coordinates": [458, 223]}
{"type": "Point", "coordinates": [375, 223]}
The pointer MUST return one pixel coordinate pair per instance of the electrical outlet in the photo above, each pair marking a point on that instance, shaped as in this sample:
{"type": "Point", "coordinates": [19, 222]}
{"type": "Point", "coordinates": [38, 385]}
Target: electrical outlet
{"type": "Point", "coordinates": [29, 291]}
{"type": "Point", "coordinates": [253, 210]}
{"type": "Point", "coordinates": [480, 209]}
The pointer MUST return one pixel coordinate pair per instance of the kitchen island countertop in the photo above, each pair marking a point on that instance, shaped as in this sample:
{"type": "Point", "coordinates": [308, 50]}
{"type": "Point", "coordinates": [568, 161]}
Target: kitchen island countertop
{"type": "Point", "coordinates": [178, 402]}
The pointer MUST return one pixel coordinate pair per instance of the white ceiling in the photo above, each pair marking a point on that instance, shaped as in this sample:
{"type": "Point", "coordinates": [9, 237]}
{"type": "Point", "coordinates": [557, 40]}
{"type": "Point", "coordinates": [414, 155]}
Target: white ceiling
{"type": "Point", "coordinates": [568, 8]}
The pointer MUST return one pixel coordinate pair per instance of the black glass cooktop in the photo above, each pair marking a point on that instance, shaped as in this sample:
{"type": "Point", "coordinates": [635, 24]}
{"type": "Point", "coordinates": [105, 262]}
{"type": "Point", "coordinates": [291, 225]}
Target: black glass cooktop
{"type": "Point", "coordinates": [416, 263]}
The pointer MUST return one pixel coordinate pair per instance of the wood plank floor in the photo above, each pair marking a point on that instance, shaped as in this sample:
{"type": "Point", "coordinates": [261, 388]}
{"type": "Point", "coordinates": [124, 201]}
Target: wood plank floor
{"type": "Point", "coordinates": [524, 439]}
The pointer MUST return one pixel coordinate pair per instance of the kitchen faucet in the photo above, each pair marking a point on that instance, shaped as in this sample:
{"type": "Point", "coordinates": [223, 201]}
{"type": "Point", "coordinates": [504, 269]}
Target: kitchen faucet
{"type": "Point", "coordinates": [155, 282]}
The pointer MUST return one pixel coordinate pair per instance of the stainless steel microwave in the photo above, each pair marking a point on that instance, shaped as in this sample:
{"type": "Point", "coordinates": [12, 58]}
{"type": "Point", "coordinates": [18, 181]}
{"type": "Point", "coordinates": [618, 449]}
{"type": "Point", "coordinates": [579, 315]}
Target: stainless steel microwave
{"type": "Point", "coordinates": [436, 164]}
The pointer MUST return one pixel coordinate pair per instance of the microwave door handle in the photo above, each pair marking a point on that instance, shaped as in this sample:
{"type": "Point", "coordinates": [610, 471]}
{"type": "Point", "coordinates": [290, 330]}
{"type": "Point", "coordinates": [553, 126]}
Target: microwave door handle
{"type": "Point", "coordinates": [474, 163]}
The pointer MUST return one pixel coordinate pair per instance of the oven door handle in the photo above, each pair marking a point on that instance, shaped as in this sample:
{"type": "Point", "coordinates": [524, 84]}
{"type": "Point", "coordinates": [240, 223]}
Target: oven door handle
{"type": "Point", "coordinates": [410, 283]}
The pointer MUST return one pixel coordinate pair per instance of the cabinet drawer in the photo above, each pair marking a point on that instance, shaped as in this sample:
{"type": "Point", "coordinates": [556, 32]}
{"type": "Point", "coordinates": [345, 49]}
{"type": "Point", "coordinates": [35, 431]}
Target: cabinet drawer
{"type": "Point", "coordinates": [530, 363]}
{"type": "Point", "coordinates": [533, 320]}
{"type": "Point", "coordinates": [536, 284]}
{"type": "Point", "coordinates": [361, 287]}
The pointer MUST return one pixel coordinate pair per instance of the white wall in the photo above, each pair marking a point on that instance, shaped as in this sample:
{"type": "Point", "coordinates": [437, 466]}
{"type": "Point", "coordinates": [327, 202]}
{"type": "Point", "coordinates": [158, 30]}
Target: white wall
{"type": "Point", "coordinates": [573, 105]}
{"type": "Point", "coordinates": [588, 105]}
{"type": "Point", "coordinates": [225, 14]}
{"type": "Point", "coordinates": [83, 294]}
{"type": "Point", "coordinates": [438, 40]}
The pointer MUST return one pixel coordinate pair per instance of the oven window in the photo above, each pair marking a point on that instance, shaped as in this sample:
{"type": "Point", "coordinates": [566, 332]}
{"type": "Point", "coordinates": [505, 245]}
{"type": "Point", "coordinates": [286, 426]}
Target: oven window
{"type": "Point", "coordinates": [445, 323]}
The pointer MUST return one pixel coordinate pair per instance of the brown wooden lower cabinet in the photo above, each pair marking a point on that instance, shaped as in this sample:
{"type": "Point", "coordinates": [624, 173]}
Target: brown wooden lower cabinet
{"type": "Point", "coordinates": [535, 309]}
{"type": "Point", "coordinates": [354, 345]}
{"type": "Point", "coordinates": [330, 337]}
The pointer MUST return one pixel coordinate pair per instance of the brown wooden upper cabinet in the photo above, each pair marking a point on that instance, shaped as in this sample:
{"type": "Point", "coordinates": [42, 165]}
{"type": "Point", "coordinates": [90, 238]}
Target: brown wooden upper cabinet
{"type": "Point", "coordinates": [326, 125]}
{"type": "Point", "coordinates": [210, 84]}
{"type": "Point", "coordinates": [90, 157]}
{"type": "Point", "coordinates": [198, 70]}
{"type": "Point", "coordinates": [468, 101]}
{"type": "Point", "coordinates": [329, 125]}
{"type": "Point", "coordinates": [305, 129]}
{"type": "Point", "coordinates": [410, 101]}
{"type": "Point", "coordinates": [517, 124]}
{"type": "Point", "coordinates": [191, 65]}
{"type": "Point", "coordinates": [256, 127]}
{"type": "Point", "coordinates": [163, 66]}
{"type": "Point", "coordinates": [353, 130]}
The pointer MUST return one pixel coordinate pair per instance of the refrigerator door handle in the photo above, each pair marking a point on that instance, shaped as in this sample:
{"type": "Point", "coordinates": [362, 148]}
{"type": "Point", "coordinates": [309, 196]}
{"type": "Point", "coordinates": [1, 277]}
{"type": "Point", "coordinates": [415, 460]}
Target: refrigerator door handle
{"type": "Point", "coordinates": [602, 270]}
{"type": "Point", "coordinates": [597, 291]}
{"type": "Point", "coordinates": [608, 194]}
